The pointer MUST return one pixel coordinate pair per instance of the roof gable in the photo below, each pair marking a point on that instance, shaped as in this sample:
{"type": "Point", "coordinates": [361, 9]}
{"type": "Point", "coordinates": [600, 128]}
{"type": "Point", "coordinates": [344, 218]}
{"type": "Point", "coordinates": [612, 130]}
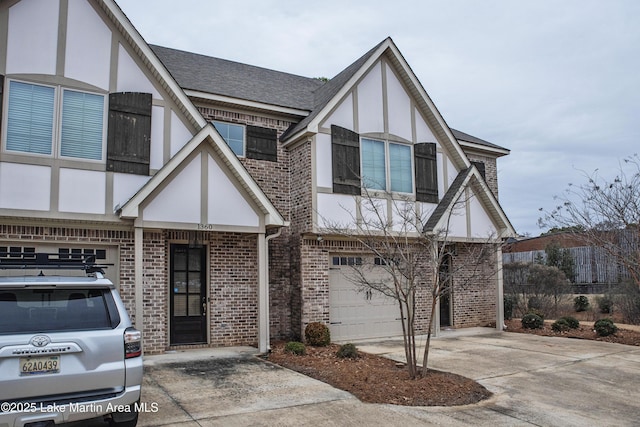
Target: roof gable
{"type": "Point", "coordinates": [330, 95]}
{"type": "Point", "coordinates": [223, 168]}
{"type": "Point", "coordinates": [469, 178]}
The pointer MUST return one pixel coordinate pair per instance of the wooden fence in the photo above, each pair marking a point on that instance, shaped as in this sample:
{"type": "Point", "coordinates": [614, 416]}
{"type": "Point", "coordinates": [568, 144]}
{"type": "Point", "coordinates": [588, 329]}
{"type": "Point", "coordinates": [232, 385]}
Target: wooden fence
{"type": "Point", "coordinates": [593, 265]}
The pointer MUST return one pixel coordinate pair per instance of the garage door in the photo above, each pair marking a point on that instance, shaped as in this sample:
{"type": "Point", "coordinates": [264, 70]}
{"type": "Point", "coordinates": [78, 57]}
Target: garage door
{"type": "Point", "coordinates": [358, 314]}
{"type": "Point", "coordinates": [103, 254]}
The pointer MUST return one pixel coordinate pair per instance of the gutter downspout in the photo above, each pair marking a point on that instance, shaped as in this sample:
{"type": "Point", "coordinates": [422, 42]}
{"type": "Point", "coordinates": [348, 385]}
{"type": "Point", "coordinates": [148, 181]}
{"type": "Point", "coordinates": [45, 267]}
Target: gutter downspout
{"type": "Point", "coordinates": [500, 292]}
{"type": "Point", "coordinates": [263, 290]}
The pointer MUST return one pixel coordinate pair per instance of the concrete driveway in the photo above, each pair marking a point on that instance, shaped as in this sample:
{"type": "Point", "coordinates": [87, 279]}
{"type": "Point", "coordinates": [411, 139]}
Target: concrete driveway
{"type": "Point", "coordinates": [537, 381]}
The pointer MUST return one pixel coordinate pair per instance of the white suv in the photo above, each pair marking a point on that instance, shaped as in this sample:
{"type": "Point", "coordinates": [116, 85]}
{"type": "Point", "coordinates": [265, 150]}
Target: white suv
{"type": "Point", "coordinates": [68, 350]}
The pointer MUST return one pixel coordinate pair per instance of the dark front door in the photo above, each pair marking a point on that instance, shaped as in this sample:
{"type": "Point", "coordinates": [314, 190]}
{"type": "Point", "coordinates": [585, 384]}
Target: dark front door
{"type": "Point", "coordinates": [188, 305]}
{"type": "Point", "coordinates": [445, 297]}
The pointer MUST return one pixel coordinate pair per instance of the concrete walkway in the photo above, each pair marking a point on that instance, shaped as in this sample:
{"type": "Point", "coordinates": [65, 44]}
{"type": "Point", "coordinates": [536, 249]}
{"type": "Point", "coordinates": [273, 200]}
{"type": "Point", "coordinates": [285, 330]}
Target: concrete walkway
{"type": "Point", "coordinates": [536, 381]}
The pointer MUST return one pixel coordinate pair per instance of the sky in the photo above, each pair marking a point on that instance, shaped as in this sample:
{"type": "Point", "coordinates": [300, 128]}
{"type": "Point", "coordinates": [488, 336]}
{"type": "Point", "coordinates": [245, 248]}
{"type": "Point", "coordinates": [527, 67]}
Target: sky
{"type": "Point", "coordinates": [556, 82]}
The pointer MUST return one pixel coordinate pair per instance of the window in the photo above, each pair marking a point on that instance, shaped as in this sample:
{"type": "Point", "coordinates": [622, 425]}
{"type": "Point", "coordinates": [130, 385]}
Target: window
{"type": "Point", "coordinates": [30, 118]}
{"type": "Point", "coordinates": [233, 135]}
{"type": "Point", "coordinates": [375, 166]}
{"type": "Point", "coordinates": [385, 166]}
{"type": "Point", "coordinates": [82, 117]}
{"type": "Point", "coordinates": [35, 124]}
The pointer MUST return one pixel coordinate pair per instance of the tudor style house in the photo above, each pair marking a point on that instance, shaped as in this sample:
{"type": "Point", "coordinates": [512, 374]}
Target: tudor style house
{"type": "Point", "coordinates": [207, 183]}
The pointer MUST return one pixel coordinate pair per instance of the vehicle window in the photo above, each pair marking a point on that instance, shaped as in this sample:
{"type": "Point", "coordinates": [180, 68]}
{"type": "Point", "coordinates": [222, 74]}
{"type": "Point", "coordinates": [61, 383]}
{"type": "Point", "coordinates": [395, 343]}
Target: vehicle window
{"type": "Point", "coordinates": [48, 310]}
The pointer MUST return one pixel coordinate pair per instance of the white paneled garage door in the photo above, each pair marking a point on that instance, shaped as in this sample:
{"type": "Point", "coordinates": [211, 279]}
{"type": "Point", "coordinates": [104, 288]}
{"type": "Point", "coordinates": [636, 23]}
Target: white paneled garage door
{"type": "Point", "coordinates": [359, 314]}
{"type": "Point", "coordinates": [107, 255]}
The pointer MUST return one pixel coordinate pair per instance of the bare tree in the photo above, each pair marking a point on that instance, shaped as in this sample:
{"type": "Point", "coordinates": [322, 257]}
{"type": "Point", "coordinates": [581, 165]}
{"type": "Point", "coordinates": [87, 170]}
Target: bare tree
{"type": "Point", "coordinates": [415, 259]}
{"type": "Point", "coordinates": [604, 213]}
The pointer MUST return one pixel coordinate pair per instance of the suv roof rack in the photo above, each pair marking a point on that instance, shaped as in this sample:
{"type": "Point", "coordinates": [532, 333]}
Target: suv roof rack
{"type": "Point", "coordinates": [49, 261]}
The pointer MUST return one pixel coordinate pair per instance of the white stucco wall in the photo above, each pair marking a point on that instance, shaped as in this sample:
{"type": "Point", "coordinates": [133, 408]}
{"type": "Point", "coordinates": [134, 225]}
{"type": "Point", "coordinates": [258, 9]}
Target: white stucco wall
{"type": "Point", "coordinates": [156, 159]}
{"type": "Point", "coordinates": [82, 191]}
{"type": "Point", "coordinates": [179, 201]}
{"type": "Point", "coordinates": [481, 224]}
{"type": "Point", "coordinates": [88, 46]}
{"type": "Point", "coordinates": [125, 185]}
{"type": "Point", "coordinates": [324, 176]}
{"type": "Point", "coordinates": [226, 205]}
{"type": "Point", "coordinates": [370, 107]}
{"type": "Point", "coordinates": [335, 209]}
{"type": "Point", "coordinates": [32, 37]}
{"type": "Point", "coordinates": [180, 135]}
{"type": "Point", "coordinates": [399, 107]}
{"type": "Point", "coordinates": [25, 187]}
{"type": "Point", "coordinates": [342, 116]}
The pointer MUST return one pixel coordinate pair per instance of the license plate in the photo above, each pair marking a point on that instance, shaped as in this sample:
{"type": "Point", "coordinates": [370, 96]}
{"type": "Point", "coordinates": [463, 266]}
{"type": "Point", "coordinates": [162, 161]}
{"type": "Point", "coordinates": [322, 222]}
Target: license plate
{"type": "Point", "coordinates": [39, 365]}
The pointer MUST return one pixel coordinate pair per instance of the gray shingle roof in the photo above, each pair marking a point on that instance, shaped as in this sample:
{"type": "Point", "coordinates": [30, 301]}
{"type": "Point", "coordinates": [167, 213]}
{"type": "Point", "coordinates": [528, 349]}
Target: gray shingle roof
{"type": "Point", "coordinates": [461, 136]}
{"type": "Point", "coordinates": [447, 200]}
{"type": "Point", "coordinates": [242, 81]}
{"type": "Point", "coordinates": [233, 79]}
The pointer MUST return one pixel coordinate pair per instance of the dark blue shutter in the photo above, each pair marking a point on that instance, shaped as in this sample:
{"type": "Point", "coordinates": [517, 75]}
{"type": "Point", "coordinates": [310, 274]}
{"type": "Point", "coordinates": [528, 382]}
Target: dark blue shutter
{"type": "Point", "coordinates": [345, 154]}
{"type": "Point", "coordinates": [426, 172]}
{"type": "Point", "coordinates": [129, 133]}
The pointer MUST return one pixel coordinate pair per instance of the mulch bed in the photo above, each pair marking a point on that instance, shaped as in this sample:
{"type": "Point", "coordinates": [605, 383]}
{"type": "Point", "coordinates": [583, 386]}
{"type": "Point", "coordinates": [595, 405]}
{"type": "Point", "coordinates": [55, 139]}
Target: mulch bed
{"type": "Point", "coordinates": [623, 336]}
{"type": "Point", "coordinates": [376, 379]}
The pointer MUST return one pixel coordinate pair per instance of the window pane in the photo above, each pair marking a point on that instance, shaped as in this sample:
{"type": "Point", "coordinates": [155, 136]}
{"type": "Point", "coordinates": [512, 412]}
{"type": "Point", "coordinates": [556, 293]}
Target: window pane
{"type": "Point", "coordinates": [57, 309]}
{"type": "Point", "coordinates": [30, 118]}
{"type": "Point", "coordinates": [400, 168]}
{"type": "Point", "coordinates": [233, 135]}
{"type": "Point", "coordinates": [82, 124]}
{"type": "Point", "coordinates": [373, 161]}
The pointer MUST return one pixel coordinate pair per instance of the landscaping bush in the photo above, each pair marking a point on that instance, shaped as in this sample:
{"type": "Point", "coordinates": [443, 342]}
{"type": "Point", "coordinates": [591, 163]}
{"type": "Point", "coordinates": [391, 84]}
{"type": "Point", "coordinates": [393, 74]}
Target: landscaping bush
{"type": "Point", "coordinates": [605, 327]}
{"type": "Point", "coordinates": [560, 325]}
{"type": "Point", "coordinates": [532, 321]}
{"type": "Point", "coordinates": [536, 312]}
{"type": "Point", "coordinates": [580, 303]}
{"type": "Point", "coordinates": [347, 351]}
{"type": "Point", "coordinates": [509, 304]}
{"type": "Point", "coordinates": [571, 321]}
{"type": "Point", "coordinates": [605, 305]}
{"type": "Point", "coordinates": [317, 334]}
{"type": "Point", "coordinates": [295, 347]}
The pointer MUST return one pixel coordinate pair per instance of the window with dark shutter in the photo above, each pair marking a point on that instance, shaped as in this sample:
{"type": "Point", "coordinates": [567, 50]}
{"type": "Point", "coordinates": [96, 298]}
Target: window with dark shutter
{"type": "Point", "coordinates": [481, 168]}
{"type": "Point", "coordinates": [262, 143]}
{"type": "Point", "coordinates": [129, 133]}
{"type": "Point", "coordinates": [426, 172]}
{"type": "Point", "coordinates": [345, 152]}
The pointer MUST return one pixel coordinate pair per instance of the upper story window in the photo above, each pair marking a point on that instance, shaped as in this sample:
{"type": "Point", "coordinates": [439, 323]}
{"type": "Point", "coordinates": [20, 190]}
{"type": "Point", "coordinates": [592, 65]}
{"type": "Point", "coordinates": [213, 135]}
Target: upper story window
{"type": "Point", "coordinates": [383, 165]}
{"type": "Point", "coordinates": [234, 136]}
{"type": "Point", "coordinates": [386, 166]}
{"type": "Point", "coordinates": [52, 120]}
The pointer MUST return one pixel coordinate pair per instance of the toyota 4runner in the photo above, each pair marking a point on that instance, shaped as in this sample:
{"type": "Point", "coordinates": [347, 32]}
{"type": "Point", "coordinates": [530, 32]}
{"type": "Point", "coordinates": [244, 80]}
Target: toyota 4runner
{"type": "Point", "coordinates": [68, 350]}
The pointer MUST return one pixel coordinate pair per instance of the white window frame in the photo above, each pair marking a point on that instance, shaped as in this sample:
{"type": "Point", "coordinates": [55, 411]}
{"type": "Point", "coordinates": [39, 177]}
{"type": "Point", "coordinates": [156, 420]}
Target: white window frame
{"type": "Point", "coordinates": [244, 135]}
{"type": "Point", "coordinates": [56, 131]}
{"type": "Point", "coordinates": [387, 166]}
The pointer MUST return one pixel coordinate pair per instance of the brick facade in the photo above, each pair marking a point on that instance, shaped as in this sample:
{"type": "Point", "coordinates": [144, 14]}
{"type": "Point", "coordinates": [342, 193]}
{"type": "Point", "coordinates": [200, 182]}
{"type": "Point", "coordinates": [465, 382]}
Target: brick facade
{"type": "Point", "coordinates": [474, 287]}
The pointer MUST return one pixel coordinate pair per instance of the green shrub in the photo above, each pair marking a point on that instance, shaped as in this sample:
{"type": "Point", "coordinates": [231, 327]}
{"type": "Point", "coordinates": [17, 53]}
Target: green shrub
{"type": "Point", "coordinates": [605, 327]}
{"type": "Point", "coordinates": [347, 351]}
{"type": "Point", "coordinates": [317, 334]}
{"type": "Point", "coordinates": [580, 303]}
{"type": "Point", "coordinates": [571, 321]}
{"type": "Point", "coordinates": [605, 305]}
{"type": "Point", "coordinates": [295, 347]}
{"type": "Point", "coordinates": [509, 304]}
{"type": "Point", "coordinates": [560, 325]}
{"type": "Point", "coordinates": [532, 321]}
{"type": "Point", "coordinates": [536, 312]}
